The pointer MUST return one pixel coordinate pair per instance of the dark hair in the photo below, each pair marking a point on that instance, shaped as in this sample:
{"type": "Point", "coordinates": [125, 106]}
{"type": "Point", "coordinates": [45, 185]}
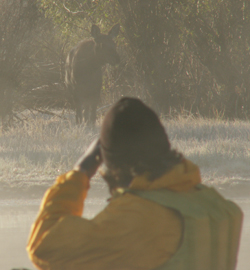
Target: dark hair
{"type": "Point", "coordinates": [123, 175]}
{"type": "Point", "coordinates": [134, 141]}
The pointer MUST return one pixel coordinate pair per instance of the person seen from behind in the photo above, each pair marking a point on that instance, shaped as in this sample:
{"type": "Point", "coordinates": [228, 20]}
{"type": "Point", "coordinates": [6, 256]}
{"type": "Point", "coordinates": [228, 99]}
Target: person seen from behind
{"type": "Point", "coordinates": [159, 217]}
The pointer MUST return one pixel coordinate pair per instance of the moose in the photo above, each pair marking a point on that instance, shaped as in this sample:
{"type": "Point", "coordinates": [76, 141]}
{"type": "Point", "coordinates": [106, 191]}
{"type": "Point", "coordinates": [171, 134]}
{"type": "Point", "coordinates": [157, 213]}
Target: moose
{"type": "Point", "coordinates": [83, 70]}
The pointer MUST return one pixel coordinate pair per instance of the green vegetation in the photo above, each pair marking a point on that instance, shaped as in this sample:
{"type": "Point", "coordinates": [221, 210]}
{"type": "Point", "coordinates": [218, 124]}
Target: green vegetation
{"type": "Point", "coordinates": [176, 55]}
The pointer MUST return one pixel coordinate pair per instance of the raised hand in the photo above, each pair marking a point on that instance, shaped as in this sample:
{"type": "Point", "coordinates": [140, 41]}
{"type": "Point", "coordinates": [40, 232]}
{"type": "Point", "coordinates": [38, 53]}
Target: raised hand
{"type": "Point", "coordinates": [90, 160]}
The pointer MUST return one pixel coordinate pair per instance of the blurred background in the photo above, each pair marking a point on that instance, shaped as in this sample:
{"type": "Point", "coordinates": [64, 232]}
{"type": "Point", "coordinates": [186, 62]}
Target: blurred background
{"type": "Point", "coordinates": [178, 56]}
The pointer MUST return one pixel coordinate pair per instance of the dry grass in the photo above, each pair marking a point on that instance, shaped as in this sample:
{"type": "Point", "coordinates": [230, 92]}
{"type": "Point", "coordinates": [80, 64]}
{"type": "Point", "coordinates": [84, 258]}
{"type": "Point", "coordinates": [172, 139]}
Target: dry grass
{"type": "Point", "coordinates": [220, 148]}
{"type": "Point", "coordinates": [39, 149]}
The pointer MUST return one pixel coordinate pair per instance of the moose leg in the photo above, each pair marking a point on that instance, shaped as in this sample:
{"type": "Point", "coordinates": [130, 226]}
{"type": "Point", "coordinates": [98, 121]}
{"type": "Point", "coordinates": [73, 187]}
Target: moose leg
{"type": "Point", "coordinates": [78, 113]}
{"type": "Point", "coordinates": [94, 104]}
{"type": "Point", "coordinates": [93, 113]}
{"type": "Point", "coordinates": [86, 113]}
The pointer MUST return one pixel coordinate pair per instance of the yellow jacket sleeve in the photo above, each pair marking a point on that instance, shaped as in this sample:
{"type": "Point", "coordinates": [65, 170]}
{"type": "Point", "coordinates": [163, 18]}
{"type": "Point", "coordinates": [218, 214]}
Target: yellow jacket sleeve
{"type": "Point", "coordinates": [130, 233]}
{"type": "Point", "coordinates": [65, 197]}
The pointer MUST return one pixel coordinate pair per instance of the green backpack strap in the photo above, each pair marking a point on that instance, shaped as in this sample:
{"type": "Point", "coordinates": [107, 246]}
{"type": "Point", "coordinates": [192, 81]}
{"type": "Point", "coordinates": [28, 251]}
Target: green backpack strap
{"type": "Point", "coordinates": [212, 227]}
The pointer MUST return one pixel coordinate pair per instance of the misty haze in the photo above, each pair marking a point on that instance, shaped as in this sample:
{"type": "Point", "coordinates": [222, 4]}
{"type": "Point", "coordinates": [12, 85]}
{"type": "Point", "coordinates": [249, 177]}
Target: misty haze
{"type": "Point", "coordinates": [188, 60]}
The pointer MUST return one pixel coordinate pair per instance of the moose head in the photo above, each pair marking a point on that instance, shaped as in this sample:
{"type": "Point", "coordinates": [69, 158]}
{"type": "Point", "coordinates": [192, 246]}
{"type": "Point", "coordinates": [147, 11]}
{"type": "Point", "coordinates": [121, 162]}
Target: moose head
{"type": "Point", "coordinates": [105, 46]}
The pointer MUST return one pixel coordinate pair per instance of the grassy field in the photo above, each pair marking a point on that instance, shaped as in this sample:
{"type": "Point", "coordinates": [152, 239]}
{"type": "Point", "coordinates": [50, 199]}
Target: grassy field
{"type": "Point", "coordinates": [34, 152]}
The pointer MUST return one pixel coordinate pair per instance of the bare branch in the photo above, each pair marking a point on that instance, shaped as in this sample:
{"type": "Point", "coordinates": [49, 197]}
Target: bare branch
{"type": "Point", "coordinates": [73, 12]}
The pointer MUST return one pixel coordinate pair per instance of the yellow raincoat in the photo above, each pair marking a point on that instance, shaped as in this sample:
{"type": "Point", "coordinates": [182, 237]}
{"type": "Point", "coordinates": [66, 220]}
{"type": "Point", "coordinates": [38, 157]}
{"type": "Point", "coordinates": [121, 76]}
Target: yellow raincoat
{"type": "Point", "coordinates": [130, 233]}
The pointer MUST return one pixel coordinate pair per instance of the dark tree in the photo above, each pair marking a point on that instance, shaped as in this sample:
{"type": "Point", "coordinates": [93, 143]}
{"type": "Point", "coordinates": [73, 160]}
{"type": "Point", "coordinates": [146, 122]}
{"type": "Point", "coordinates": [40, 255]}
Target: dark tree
{"type": "Point", "coordinates": [18, 20]}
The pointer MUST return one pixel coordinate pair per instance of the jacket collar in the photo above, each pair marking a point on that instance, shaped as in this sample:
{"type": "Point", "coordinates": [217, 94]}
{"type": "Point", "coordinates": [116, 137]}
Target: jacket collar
{"type": "Point", "coordinates": [182, 177]}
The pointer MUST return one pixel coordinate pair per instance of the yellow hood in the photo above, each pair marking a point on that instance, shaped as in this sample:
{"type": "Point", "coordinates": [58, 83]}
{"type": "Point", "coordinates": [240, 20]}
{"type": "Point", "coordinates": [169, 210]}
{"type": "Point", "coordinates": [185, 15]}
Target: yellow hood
{"type": "Point", "coordinates": [182, 177]}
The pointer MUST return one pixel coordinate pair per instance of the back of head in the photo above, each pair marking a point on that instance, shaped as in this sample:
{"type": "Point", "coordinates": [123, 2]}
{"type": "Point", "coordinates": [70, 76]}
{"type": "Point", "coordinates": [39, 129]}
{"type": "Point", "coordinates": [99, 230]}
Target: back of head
{"type": "Point", "coordinates": [133, 138]}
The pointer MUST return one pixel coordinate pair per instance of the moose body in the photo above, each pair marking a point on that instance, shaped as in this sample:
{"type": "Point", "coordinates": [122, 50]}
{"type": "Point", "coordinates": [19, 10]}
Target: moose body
{"type": "Point", "coordinates": [83, 70]}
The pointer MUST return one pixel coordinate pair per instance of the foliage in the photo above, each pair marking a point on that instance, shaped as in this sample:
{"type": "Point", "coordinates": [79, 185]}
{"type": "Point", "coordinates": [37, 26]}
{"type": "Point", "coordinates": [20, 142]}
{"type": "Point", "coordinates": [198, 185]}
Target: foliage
{"type": "Point", "coordinates": [75, 15]}
{"type": "Point", "coordinates": [177, 56]}
{"type": "Point", "coordinates": [219, 37]}
{"type": "Point", "coordinates": [31, 52]}
{"type": "Point", "coordinates": [185, 47]}
{"type": "Point", "coordinates": [18, 21]}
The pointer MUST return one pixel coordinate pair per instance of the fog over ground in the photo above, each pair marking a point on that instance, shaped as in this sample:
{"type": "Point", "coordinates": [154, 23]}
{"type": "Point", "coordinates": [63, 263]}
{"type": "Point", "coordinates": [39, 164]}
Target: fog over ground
{"type": "Point", "coordinates": [33, 153]}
